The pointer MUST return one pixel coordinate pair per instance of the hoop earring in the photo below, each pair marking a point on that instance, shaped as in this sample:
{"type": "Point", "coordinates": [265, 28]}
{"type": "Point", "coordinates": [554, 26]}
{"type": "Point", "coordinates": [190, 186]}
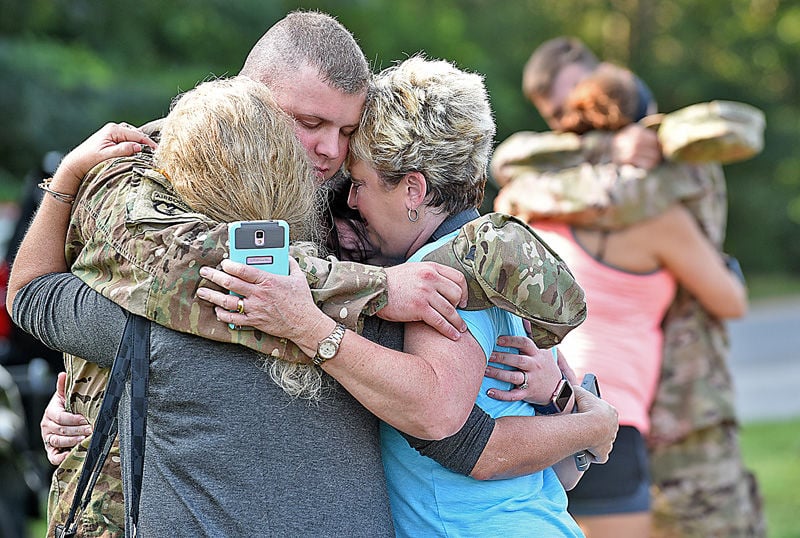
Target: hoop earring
{"type": "Point", "coordinates": [415, 218]}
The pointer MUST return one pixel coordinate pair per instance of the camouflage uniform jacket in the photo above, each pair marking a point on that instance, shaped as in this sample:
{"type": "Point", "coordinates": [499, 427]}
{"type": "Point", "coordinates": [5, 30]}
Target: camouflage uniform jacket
{"type": "Point", "coordinates": [132, 239]}
{"type": "Point", "coordinates": [568, 178]}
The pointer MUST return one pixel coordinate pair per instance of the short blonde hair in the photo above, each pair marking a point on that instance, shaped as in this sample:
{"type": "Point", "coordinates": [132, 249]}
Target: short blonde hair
{"type": "Point", "coordinates": [430, 117]}
{"type": "Point", "coordinates": [232, 154]}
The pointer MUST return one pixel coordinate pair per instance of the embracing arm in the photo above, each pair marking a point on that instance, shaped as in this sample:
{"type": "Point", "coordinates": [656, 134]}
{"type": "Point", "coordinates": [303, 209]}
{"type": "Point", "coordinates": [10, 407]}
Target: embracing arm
{"type": "Point", "coordinates": [529, 151]}
{"type": "Point", "coordinates": [615, 184]}
{"type": "Point", "coordinates": [492, 449]}
{"type": "Point", "coordinates": [699, 267]}
{"type": "Point", "coordinates": [65, 314]}
{"type": "Point", "coordinates": [524, 445]}
{"type": "Point", "coordinates": [42, 249]}
{"type": "Point", "coordinates": [423, 391]}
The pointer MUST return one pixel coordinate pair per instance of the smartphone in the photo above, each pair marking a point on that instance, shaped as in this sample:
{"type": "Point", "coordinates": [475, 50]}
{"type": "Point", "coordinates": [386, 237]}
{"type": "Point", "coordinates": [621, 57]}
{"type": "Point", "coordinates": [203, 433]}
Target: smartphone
{"type": "Point", "coordinates": [589, 383]}
{"type": "Point", "coordinates": [260, 243]}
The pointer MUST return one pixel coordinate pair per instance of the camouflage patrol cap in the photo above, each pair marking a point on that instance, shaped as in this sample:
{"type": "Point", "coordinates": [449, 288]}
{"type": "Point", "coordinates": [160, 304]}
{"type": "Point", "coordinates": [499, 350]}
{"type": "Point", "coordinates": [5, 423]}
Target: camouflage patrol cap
{"type": "Point", "coordinates": [507, 265]}
{"type": "Point", "coordinates": [718, 131]}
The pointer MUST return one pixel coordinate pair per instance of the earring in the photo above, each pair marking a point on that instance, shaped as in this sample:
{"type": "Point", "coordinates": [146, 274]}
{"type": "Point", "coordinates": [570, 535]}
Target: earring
{"type": "Point", "coordinates": [415, 218]}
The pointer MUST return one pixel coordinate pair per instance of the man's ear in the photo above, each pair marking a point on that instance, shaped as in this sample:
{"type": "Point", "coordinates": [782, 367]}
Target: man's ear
{"type": "Point", "coordinates": [416, 189]}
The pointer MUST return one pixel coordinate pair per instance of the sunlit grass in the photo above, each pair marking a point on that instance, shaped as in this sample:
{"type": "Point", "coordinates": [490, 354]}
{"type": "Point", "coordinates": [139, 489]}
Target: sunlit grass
{"type": "Point", "coordinates": [772, 451]}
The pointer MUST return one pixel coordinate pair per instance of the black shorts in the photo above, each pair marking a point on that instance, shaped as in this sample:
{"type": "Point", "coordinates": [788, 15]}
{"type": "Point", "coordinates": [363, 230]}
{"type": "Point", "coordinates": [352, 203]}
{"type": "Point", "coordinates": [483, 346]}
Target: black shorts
{"type": "Point", "coordinates": [621, 485]}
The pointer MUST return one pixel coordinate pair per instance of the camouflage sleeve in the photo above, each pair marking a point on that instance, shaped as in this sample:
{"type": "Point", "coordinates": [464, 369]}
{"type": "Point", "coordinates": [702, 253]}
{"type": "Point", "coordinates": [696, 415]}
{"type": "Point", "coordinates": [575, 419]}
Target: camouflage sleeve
{"type": "Point", "coordinates": [134, 241]}
{"type": "Point", "coordinates": [570, 178]}
{"type": "Point", "coordinates": [598, 195]}
{"type": "Point", "coordinates": [507, 265]}
{"type": "Point", "coordinates": [527, 150]}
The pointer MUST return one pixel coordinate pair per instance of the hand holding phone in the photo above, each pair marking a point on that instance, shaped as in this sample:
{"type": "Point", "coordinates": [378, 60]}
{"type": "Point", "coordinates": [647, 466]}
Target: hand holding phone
{"type": "Point", "coordinates": [263, 244]}
{"type": "Point", "coordinates": [589, 383]}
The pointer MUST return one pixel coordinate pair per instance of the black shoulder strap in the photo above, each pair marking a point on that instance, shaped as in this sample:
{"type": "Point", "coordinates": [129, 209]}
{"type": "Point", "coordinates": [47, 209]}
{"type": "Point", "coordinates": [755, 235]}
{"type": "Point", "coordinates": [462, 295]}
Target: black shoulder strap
{"type": "Point", "coordinates": [132, 355]}
{"type": "Point", "coordinates": [453, 223]}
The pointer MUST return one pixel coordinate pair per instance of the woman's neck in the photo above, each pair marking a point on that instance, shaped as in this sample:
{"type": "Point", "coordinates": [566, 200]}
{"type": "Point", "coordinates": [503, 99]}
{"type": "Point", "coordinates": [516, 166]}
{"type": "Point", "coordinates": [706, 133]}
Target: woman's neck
{"type": "Point", "coordinates": [430, 223]}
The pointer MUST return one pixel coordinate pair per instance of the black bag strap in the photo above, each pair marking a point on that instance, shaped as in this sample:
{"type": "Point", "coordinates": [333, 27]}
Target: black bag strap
{"type": "Point", "coordinates": [132, 355]}
{"type": "Point", "coordinates": [140, 371]}
{"type": "Point", "coordinates": [453, 223]}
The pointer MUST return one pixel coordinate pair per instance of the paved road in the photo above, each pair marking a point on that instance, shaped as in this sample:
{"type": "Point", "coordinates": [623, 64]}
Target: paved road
{"type": "Point", "coordinates": [765, 360]}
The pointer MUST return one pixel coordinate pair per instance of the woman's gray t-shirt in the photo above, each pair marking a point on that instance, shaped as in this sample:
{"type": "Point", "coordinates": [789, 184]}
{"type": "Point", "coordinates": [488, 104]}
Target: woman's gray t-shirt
{"type": "Point", "coordinates": [228, 453]}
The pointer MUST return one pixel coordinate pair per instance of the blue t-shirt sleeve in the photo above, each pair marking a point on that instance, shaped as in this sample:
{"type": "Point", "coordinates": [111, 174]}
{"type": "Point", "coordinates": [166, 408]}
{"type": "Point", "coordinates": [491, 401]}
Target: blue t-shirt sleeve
{"type": "Point", "coordinates": [483, 327]}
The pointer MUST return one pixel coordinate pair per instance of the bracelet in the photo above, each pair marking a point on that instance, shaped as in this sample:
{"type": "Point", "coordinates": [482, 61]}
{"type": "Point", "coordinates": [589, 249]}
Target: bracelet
{"type": "Point", "coordinates": [60, 196]}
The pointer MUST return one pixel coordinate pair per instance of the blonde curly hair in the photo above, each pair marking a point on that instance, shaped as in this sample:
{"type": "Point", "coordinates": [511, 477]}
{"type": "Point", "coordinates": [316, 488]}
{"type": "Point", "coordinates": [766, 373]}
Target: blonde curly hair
{"type": "Point", "coordinates": [428, 116]}
{"type": "Point", "coordinates": [232, 154]}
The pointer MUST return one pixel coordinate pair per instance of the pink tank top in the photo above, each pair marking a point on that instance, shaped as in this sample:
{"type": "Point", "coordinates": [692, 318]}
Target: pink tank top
{"type": "Point", "coordinates": [620, 341]}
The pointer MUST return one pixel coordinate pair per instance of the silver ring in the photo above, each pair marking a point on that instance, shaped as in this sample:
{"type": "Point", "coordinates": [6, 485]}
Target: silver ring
{"type": "Point", "coordinates": [47, 440]}
{"type": "Point", "coordinates": [524, 384]}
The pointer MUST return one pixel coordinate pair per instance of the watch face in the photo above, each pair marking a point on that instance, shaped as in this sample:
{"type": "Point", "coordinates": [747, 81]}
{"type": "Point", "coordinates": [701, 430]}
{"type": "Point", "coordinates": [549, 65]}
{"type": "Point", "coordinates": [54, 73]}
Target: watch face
{"type": "Point", "coordinates": [327, 349]}
{"type": "Point", "coordinates": [561, 400]}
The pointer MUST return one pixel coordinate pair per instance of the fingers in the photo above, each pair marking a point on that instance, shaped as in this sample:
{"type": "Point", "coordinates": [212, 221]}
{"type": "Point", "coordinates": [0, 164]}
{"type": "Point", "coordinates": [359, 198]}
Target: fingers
{"type": "Point", "coordinates": [515, 377]}
{"type": "Point", "coordinates": [129, 133]}
{"type": "Point", "coordinates": [453, 287]}
{"type": "Point", "coordinates": [218, 298]}
{"type": "Point", "coordinates": [512, 395]}
{"type": "Point", "coordinates": [61, 386]}
{"type": "Point", "coordinates": [235, 277]}
{"type": "Point", "coordinates": [55, 457]}
{"type": "Point", "coordinates": [444, 317]}
{"type": "Point", "coordinates": [444, 325]}
{"type": "Point", "coordinates": [524, 344]}
{"type": "Point", "coordinates": [234, 318]}
{"type": "Point", "coordinates": [566, 369]}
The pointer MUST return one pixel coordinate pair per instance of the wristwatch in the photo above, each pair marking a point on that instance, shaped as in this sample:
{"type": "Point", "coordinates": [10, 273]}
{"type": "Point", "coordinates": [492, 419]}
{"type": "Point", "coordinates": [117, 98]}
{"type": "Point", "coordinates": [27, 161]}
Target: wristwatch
{"type": "Point", "coordinates": [329, 347]}
{"type": "Point", "coordinates": [558, 401]}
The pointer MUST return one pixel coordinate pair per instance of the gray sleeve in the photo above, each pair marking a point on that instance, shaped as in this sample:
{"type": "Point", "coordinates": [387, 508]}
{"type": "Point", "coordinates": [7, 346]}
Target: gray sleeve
{"type": "Point", "coordinates": [67, 315]}
{"type": "Point", "coordinates": [460, 451]}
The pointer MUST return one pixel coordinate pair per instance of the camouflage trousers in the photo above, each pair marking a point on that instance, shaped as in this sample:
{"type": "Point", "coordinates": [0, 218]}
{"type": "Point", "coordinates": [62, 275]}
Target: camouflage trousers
{"type": "Point", "coordinates": [701, 488]}
{"type": "Point", "coordinates": [104, 516]}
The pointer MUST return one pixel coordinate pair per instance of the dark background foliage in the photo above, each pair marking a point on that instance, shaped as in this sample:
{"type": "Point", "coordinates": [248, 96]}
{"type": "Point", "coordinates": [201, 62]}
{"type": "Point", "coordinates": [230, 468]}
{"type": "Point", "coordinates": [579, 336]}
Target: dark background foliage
{"type": "Point", "coordinates": [68, 66]}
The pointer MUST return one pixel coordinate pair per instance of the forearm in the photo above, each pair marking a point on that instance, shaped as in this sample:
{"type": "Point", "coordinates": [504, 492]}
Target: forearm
{"type": "Point", "coordinates": [427, 395]}
{"type": "Point", "coordinates": [64, 314]}
{"type": "Point", "coordinates": [525, 445]}
{"type": "Point", "coordinates": [42, 250]}
{"type": "Point", "coordinates": [529, 151]}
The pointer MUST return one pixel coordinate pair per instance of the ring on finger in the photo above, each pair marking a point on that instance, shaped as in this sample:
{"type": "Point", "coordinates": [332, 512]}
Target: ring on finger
{"type": "Point", "coordinates": [240, 306]}
{"type": "Point", "coordinates": [47, 440]}
{"type": "Point", "coordinates": [524, 384]}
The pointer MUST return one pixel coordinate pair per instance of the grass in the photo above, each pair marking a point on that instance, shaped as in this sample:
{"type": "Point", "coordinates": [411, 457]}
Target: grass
{"type": "Point", "coordinates": [771, 286]}
{"type": "Point", "coordinates": [771, 450]}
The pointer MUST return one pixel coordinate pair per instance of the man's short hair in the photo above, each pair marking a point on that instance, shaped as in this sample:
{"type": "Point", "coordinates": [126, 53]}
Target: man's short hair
{"type": "Point", "coordinates": [548, 59]}
{"type": "Point", "coordinates": [309, 38]}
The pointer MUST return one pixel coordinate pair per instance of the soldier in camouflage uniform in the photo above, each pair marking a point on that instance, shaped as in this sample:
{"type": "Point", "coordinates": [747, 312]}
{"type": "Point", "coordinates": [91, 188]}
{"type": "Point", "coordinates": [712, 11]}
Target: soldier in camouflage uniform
{"type": "Point", "coordinates": [128, 212]}
{"type": "Point", "coordinates": [701, 487]}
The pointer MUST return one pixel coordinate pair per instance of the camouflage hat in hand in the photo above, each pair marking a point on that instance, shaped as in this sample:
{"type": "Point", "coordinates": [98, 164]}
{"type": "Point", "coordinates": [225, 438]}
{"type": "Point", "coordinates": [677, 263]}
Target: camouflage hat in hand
{"type": "Point", "coordinates": [718, 131]}
{"type": "Point", "coordinates": [507, 265]}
